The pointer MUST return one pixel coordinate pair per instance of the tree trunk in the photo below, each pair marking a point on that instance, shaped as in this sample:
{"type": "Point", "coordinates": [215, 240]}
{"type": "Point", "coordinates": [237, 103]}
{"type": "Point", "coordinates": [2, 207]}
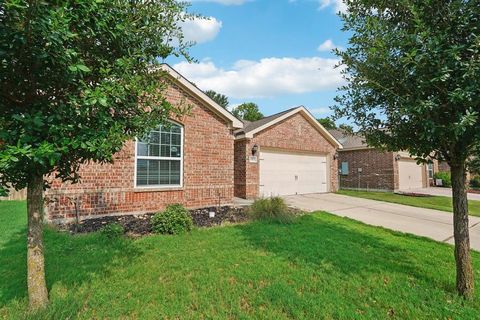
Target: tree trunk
{"type": "Point", "coordinates": [37, 288]}
{"type": "Point", "coordinates": [461, 232]}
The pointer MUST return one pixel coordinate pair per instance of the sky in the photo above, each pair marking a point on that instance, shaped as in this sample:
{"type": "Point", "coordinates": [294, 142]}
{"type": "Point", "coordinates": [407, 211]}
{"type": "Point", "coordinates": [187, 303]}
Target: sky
{"type": "Point", "coordinates": [276, 53]}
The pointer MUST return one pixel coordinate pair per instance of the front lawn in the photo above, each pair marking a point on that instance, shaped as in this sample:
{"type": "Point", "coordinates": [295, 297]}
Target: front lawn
{"type": "Point", "coordinates": [430, 202]}
{"type": "Point", "coordinates": [321, 267]}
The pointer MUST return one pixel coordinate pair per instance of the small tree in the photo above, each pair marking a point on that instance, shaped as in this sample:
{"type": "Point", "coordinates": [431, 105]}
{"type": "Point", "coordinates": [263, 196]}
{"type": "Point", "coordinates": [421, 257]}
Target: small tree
{"type": "Point", "coordinates": [412, 71]}
{"type": "Point", "coordinates": [220, 99]}
{"type": "Point", "coordinates": [248, 111]}
{"type": "Point", "coordinates": [76, 82]}
{"type": "Point", "coordinates": [346, 128]}
{"type": "Point", "coordinates": [327, 123]}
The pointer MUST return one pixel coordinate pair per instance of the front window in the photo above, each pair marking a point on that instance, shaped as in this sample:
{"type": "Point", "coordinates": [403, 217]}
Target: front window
{"type": "Point", "coordinates": [159, 157]}
{"type": "Point", "coordinates": [430, 170]}
{"type": "Point", "coordinates": [344, 169]}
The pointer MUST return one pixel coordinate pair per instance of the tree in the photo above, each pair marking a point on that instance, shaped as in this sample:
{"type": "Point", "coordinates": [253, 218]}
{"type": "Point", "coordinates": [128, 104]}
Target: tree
{"type": "Point", "coordinates": [346, 128]}
{"type": "Point", "coordinates": [412, 73]}
{"type": "Point", "coordinates": [220, 99]}
{"type": "Point", "coordinates": [77, 79]}
{"type": "Point", "coordinates": [248, 111]}
{"type": "Point", "coordinates": [327, 123]}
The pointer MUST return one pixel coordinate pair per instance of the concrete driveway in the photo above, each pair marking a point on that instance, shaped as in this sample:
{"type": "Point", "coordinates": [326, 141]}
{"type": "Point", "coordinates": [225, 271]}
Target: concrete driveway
{"type": "Point", "coordinates": [437, 225]}
{"type": "Point", "coordinates": [445, 192]}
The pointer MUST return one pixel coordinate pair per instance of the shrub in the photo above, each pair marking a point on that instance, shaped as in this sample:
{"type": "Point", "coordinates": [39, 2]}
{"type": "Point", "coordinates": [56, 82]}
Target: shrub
{"type": "Point", "coordinates": [175, 219]}
{"type": "Point", "coordinates": [475, 182]}
{"type": "Point", "coordinates": [113, 230]}
{"type": "Point", "coordinates": [445, 176]}
{"type": "Point", "coordinates": [271, 209]}
{"type": "Point", "coordinates": [3, 192]}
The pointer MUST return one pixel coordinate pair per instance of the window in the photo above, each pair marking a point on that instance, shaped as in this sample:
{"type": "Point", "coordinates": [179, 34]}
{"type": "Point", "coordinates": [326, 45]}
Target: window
{"type": "Point", "coordinates": [159, 157]}
{"type": "Point", "coordinates": [344, 169]}
{"type": "Point", "coordinates": [430, 170]}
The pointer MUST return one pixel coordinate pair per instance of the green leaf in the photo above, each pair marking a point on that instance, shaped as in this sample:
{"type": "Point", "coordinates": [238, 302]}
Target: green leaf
{"type": "Point", "coordinates": [83, 68]}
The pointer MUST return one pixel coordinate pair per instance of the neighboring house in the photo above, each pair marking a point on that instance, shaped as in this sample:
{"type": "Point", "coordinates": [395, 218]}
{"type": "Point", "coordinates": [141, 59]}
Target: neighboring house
{"type": "Point", "coordinates": [15, 195]}
{"type": "Point", "coordinates": [367, 168]}
{"type": "Point", "coordinates": [189, 162]}
{"type": "Point", "coordinates": [283, 154]}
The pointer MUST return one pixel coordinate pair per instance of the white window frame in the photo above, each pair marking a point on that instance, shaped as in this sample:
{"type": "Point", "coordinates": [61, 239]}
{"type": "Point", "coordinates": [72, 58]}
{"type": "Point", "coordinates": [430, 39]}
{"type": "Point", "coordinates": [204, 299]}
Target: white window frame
{"type": "Point", "coordinates": [161, 186]}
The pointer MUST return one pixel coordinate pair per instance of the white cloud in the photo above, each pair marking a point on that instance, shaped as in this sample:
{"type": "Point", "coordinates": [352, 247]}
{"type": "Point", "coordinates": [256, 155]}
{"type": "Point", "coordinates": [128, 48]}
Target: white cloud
{"type": "Point", "coordinates": [200, 30]}
{"type": "Point", "coordinates": [225, 2]}
{"type": "Point", "coordinates": [321, 110]}
{"type": "Point", "coordinates": [327, 45]}
{"type": "Point", "coordinates": [338, 5]}
{"type": "Point", "coordinates": [265, 78]}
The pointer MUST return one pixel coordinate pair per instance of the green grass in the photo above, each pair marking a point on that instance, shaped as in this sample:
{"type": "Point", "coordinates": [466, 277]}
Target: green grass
{"type": "Point", "coordinates": [320, 267]}
{"type": "Point", "coordinates": [430, 202]}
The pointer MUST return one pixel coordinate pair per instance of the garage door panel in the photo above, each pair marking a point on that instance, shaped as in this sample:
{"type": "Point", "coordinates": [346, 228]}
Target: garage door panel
{"type": "Point", "coordinates": [287, 173]}
{"type": "Point", "coordinates": [410, 175]}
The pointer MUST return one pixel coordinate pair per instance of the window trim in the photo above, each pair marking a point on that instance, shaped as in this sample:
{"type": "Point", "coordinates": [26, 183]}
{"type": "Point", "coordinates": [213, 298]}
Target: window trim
{"type": "Point", "coordinates": [160, 186]}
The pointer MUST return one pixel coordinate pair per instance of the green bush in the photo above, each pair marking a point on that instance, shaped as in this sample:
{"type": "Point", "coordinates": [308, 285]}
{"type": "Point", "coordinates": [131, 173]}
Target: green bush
{"type": "Point", "coordinates": [271, 209]}
{"type": "Point", "coordinates": [475, 182]}
{"type": "Point", "coordinates": [175, 219]}
{"type": "Point", "coordinates": [113, 230]}
{"type": "Point", "coordinates": [445, 176]}
{"type": "Point", "coordinates": [3, 192]}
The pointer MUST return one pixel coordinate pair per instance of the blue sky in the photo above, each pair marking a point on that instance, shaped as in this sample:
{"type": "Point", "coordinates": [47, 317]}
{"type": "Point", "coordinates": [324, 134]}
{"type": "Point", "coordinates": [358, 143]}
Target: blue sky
{"type": "Point", "coordinates": [276, 53]}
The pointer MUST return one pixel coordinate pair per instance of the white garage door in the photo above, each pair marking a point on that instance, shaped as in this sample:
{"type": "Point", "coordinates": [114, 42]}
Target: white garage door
{"type": "Point", "coordinates": [410, 175]}
{"type": "Point", "coordinates": [288, 173]}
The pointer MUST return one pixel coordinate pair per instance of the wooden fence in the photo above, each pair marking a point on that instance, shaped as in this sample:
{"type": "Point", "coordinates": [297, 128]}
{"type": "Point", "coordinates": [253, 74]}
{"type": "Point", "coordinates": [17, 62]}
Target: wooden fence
{"type": "Point", "coordinates": [16, 195]}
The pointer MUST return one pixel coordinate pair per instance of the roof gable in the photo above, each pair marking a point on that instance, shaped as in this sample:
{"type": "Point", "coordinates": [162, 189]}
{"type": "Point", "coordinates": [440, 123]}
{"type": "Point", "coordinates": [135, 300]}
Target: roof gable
{"type": "Point", "coordinates": [255, 127]}
{"type": "Point", "coordinates": [212, 105]}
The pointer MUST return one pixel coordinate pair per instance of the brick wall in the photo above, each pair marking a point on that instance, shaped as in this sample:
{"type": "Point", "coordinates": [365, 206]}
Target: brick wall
{"type": "Point", "coordinates": [109, 189]}
{"type": "Point", "coordinates": [443, 166]}
{"type": "Point", "coordinates": [378, 170]}
{"type": "Point", "coordinates": [293, 134]}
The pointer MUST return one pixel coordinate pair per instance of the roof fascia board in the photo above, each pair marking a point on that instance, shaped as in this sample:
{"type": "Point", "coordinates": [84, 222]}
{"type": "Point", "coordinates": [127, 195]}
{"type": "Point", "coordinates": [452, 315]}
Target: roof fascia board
{"type": "Point", "coordinates": [309, 116]}
{"type": "Point", "coordinates": [200, 94]}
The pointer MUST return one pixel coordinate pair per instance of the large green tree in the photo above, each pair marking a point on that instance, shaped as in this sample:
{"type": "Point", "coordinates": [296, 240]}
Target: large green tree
{"type": "Point", "coordinates": [220, 99]}
{"type": "Point", "coordinates": [412, 71]}
{"type": "Point", "coordinates": [248, 111]}
{"type": "Point", "coordinates": [77, 79]}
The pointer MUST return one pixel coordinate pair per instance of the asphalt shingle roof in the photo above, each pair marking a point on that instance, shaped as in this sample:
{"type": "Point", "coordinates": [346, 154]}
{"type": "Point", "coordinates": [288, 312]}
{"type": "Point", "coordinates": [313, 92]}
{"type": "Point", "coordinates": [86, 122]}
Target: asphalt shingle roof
{"type": "Point", "coordinates": [348, 140]}
{"type": "Point", "coordinates": [250, 126]}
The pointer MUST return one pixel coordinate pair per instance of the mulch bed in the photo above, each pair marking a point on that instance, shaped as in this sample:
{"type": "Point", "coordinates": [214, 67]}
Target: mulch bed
{"type": "Point", "coordinates": [413, 194]}
{"type": "Point", "coordinates": [140, 224]}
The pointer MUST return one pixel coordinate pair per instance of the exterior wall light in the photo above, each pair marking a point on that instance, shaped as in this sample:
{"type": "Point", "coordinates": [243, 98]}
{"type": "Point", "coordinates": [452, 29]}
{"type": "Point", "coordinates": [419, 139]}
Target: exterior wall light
{"type": "Point", "coordinates": [335, 156]}
{"type": "Point", "coordinates": [398, 157]}
{"type": "Point", "coordinates": [254, 150]}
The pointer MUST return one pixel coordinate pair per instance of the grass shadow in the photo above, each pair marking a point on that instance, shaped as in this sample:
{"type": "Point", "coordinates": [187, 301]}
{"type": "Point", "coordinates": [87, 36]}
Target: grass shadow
{"type": "Point", "coordinates": [69, 260]}
{"type": "Point", "coordinates": [352, 249]}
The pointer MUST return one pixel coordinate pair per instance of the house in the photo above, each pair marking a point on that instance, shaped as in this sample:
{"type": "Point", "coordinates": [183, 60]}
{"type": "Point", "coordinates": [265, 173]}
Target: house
{"type": "Point", "coordinates": [203, 159]}
{"type": "Point", "coordinates": [188, 162]}
{"type": "Point", "coordinates": [367, 168]}
{"type": "Point", "coordinates": [283, 154]}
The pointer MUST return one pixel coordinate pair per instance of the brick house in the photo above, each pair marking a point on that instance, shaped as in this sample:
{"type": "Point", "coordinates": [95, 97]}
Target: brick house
{"type": "Point", "coordinates": [189, 162]}
{"type": "Point", "coordinates": [366, 168]}
{"type": "Point", "coordinates": [286, 153]}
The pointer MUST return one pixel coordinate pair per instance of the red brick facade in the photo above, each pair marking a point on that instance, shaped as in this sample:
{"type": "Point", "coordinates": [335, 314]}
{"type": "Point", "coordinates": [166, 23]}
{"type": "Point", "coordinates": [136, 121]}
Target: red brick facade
{"type": "Point", "coordinates": [293, 134]}
{"type": "Point", "coordinates": [378, 170]}
{"type": "Point", "coordinates": [371, 169]}
{"type": "Point", "coordinates": [109, 189]}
